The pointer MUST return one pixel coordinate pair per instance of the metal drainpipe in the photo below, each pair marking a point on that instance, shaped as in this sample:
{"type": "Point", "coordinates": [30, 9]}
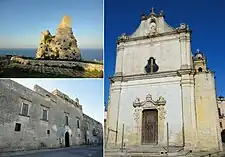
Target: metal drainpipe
{"type": "Point", "coordinates": [122, 139]}
{"type": "Point", "coordinates": [167, 127]}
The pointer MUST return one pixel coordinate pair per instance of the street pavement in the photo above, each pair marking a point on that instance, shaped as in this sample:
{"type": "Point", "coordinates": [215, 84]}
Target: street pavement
{"type": "Point", "coordinates": [88, 151]}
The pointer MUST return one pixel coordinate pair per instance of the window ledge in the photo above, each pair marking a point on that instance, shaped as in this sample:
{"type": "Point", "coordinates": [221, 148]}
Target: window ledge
{"type": "Point", "coordinates": [24, 115]}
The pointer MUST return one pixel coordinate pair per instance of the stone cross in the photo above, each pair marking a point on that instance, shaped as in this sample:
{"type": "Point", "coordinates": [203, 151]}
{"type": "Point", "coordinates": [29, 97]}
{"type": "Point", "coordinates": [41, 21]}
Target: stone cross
{"type": "Point", "coordinates": [151, 65]}
{"type": "Point", "coordinates": [152, 10]}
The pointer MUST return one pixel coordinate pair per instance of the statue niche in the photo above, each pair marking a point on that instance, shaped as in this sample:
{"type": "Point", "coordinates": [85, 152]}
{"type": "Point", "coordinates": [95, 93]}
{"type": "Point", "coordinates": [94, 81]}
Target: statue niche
{"type": "Point", "coordinates": [151, 66]}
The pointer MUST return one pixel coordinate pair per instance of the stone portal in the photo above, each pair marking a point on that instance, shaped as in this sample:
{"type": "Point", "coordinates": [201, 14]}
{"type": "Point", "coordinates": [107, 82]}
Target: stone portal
{"type": "Point", "coordinates": [152, 116]}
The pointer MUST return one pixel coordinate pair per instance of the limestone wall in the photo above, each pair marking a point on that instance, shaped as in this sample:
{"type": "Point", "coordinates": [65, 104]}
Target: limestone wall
{"type": "Point", "coordinates": [90, 125]}
{"type": "Point", "coordinates": [133, 57]}
{"type": "Point", "coordinates": [33, 132]}
{"type": "Point", "coordinates": [121, 107]}
{"type": "Point", "coordinates": [221, 106]}
{"type": "Point", "coordinates": [209, 137]}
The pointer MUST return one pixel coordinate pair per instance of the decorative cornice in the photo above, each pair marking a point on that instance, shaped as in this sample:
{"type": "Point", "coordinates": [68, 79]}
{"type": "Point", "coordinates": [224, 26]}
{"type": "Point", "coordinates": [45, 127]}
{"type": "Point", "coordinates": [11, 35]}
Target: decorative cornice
{"type": "Point", "coordinates": [124, 38]}
{"type": "Point", "coordinates": [186, 72]}
{"type": "Point", "coordinates": [149, 102]}
{"type": "Point", "coordinates": [124, 78]}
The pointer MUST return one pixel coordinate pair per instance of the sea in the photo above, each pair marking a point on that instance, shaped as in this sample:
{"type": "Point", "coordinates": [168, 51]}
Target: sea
{"type": "Point", "coordinates": [86, 54]}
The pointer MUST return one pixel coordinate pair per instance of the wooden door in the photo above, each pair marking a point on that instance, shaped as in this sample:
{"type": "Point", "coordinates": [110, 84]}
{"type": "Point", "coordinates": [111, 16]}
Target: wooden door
{"type": "Point", "coordinates": [149, 127]}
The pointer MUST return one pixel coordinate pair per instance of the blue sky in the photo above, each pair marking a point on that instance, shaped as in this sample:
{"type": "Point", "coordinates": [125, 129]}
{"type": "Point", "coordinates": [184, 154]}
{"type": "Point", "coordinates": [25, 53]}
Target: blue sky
{"type": "Point", "coordinates": [206, 18]}
{"type": "Point", "coordinates": [22, 21]}
{"type": "Point", "coordinates": [88, 91]}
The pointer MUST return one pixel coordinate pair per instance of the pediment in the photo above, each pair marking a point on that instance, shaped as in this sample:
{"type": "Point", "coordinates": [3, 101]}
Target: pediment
{"type": "Point", "coordinates": [154, 24]}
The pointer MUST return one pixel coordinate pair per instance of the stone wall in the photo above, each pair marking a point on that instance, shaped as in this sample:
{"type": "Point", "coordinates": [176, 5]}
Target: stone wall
{"type": "Point", "coordinates": [69, 64]}
{"type": "Point", "coordinates": [122, 97]}
{"type": "Point", "coordinates": [221, 107]}
{"type": "Point", "coordinates": [35, 132]}
{"type": "Point", "coordinates": [207, 112]}
{"type": "Point", "coordinates": [93, 130]}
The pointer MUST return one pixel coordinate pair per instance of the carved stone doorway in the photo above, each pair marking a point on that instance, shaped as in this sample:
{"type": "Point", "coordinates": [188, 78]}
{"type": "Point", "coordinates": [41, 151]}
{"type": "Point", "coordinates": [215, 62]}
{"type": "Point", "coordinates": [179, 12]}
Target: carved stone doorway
{"type": "Point", "coordinates": [67, 139]}
{"type": "Point", "coordinates": [149, 126]}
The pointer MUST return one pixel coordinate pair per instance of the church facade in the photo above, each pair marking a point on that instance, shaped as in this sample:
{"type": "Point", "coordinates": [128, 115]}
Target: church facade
{"type": "Point", "coordinates": [162, 94]}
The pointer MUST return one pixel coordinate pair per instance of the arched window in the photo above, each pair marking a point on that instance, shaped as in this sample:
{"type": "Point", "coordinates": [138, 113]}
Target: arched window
{"type": "Point", "coordinates": [200, 69]}
{"type": "Point", "coordinates": [151, 66]}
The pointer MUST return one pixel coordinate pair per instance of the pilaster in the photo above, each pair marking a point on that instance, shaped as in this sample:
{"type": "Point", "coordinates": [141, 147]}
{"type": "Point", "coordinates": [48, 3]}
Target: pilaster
{"type": "Point", "coordinates": [119, 58]}
{"type": "Point", "coordinates": [188, 50]}
{"type": "Point", "coordinates": [188, 108]}
{"type": "Point", "coordinates": [113, 114]}
{"type": "Point", "coordinates": [185, 50]}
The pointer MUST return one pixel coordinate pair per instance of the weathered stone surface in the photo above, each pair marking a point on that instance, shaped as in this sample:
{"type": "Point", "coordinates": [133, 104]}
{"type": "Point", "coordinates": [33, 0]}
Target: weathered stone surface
{"type": "Point", "coordinates": [61, 46]}
{"type": "Point", "coordinates": [33, 133]}
{"type": "Point", "coordinates": [68, 64]}
{"type": "Point", "coordinates": [191, 107]}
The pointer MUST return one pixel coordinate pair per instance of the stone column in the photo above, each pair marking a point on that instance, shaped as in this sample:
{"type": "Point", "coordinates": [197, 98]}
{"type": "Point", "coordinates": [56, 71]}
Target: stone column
{"type": "Point", "coordinates": [188, 109]}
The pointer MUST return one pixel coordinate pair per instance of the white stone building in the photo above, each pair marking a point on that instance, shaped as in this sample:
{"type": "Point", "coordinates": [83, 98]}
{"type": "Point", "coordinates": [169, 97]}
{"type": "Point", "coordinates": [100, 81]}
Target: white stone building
{"type": "Point", "coordinates": [158, 81]}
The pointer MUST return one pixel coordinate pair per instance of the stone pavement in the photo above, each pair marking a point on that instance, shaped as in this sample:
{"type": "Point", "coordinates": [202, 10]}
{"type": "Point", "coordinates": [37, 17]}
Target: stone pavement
{"type": "Point", "coordinates": [77, 151]}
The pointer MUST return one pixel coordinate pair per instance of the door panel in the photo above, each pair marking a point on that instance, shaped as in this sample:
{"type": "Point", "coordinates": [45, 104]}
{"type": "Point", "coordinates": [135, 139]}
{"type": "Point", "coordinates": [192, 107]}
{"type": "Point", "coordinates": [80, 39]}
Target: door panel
{"type": "Point", "coordinates": [149, 126]}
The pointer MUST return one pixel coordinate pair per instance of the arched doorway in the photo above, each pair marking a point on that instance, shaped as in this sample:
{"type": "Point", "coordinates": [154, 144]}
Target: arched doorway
{"type": "Point", "coordinates": [67, 139]}
{"type": "Point", "coordinates": [149, 126]}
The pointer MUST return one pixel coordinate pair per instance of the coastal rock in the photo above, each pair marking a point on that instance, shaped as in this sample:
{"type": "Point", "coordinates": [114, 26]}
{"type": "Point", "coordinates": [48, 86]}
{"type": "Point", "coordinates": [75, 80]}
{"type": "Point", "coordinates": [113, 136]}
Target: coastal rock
{"type": "Point", "coordinates": [61, 46]}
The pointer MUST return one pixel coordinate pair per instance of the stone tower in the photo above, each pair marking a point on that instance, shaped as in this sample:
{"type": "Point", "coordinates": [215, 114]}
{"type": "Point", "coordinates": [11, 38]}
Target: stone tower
{"type": "Point", "coordinates": [154, 85]}
{"type": "Point", "coordinates": [207, 116]}
{"type": "Point", "coordinates": [61, 46]}
{"type": "Point", "coordinates": [66, 22]}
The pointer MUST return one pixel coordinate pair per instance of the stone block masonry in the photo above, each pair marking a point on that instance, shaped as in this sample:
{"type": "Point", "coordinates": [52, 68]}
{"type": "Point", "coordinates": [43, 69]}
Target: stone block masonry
{"type": "Point", "coordinates": [35, 119]}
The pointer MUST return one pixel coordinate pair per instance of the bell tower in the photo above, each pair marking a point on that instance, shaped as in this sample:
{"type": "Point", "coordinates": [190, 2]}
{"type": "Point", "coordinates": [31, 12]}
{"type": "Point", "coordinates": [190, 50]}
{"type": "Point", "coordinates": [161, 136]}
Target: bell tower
{"type": "Point", "coordinates": [199, 60]}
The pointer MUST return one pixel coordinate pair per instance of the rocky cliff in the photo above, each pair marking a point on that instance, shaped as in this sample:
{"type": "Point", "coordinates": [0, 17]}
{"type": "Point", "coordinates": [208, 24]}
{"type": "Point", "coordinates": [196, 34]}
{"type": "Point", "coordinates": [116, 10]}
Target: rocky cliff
{"type": "Point", "coordinates": [61, 46]}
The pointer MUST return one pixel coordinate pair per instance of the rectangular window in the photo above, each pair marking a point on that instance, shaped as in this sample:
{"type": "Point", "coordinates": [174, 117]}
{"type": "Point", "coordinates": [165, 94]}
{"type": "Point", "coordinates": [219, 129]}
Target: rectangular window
{"type": "Point", "coordinates": [67, 120]}
{"type": "Point", "coordinates": [18, 127]}
{"type": "Point", "coordinates": [48, 132]}
{"type": "Point", "coordinates": [78, 123]}
{"type": "Point", "coordinates": [45, 114]}
{"type": "Point", "coordinates": [25, 109]}
{"type": "Point", "coordinates": [221, 125]}
{"type": "Point", "coordinates": [87, 126]}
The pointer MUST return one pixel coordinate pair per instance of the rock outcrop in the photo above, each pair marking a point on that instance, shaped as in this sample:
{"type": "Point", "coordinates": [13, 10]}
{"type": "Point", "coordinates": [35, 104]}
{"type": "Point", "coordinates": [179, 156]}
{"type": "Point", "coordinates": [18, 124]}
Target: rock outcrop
{"type": "Point", "coordinates": [61, 46]}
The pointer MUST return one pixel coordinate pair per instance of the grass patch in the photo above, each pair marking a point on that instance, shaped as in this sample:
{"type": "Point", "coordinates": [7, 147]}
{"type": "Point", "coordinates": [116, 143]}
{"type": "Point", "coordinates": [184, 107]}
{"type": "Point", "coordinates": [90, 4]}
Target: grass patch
{"type": "Point", "coordinates": [93, 74]}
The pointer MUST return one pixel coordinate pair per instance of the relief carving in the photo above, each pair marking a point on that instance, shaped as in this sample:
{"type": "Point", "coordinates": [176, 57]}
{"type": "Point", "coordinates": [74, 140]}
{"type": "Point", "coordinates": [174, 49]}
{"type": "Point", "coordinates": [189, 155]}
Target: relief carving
{"type": "Point", "coordinates": [162, 113]}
